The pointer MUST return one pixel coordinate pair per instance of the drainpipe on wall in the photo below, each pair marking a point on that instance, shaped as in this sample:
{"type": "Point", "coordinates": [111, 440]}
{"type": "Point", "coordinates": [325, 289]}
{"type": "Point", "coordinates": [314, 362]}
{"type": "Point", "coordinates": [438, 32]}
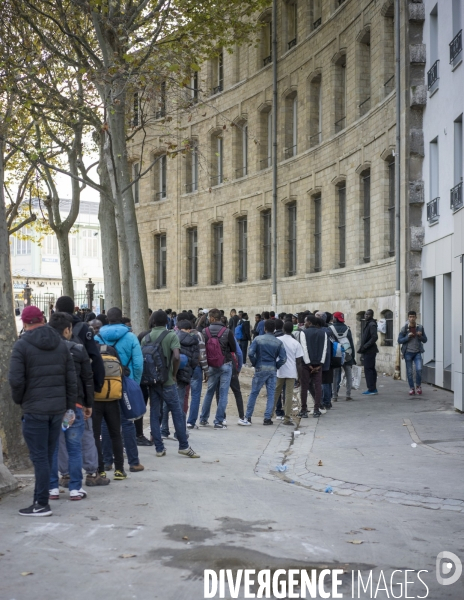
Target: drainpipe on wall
{"type": "Point", "coordinates": [274, 155]}
{"type": "Point", "coordinates": [397, 374]}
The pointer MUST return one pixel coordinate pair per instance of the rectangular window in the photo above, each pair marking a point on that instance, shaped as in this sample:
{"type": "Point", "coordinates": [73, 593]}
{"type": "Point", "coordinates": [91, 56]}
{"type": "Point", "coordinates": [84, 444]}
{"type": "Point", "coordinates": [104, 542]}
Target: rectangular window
{"type": "Point", "coordinates": [391, 208]}
{"type": "Point", "coordinates": [194, 169]}
{"type": "Point", "coordinates": [317, 234]}
{"type": "Point", "coordinates": [218, 245]}
{"type": "Point", "coordinates": [295, 125]}
{"type": "Point", "coordinates": [245, 150]}
{"type": "Point", "coordinates": [135, 179]}
{"type": "Point", "coordinates": [73, 245]}
{"type": "Point", "coordinates": [162, 177]}
{"type": "Point", "coordinates": [90, 242]}
{"type": "Point", "coordinates": [194, 86]}
{"type": "Point", "coordinates": [342, 226]}
{"type": "Point", "coordinates": [291, 211]}
{"type": "Point", "coordinates": [160, 249]}
{"type": "Point", "coordinates": [434, 34]}
{"type": "Point", "coordinates": [456, 197]}
{"type": "Point", "coordinates": [51, 245]}
{"type": "Point", "coordinates": [192, 262]}
{"type": "Point", "coordinates": [220, 146]}
{"type": "Point", "coordinates": [220, 80]}
{"type": "Point", "coordinates": [366, 181]}
{"type": "Point", "coordinates": [267, 245]}
{"type": "Point", "coordinates": [23, 247]}
{"type": "Point", "coordinates": [242, 249]}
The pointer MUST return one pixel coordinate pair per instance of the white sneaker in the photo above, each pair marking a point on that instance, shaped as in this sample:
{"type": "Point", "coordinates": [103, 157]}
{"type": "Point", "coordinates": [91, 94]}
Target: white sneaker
{"type": "Point", "coordinates": [224, 422]}
{"type": "Point", "coordinates": [77, 494]}
{"type": "Point", "coordinates": [279, 418]}
{"type": "Point", "coordinates": [243, 422]}
{"type": "Point", "coordinates": [323, 410]}
{"type": "Point", "coordinates": [54, 494]}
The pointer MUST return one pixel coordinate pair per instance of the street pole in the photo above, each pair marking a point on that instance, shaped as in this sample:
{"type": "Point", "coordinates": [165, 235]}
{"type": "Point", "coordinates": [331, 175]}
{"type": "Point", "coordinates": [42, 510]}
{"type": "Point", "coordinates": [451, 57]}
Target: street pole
{"type": "Point", "coordinates": [274, 155]}
{"type": "Point", "coordinates": [90, 286]}
{"type": "Point", "coordinates": [397, 374]}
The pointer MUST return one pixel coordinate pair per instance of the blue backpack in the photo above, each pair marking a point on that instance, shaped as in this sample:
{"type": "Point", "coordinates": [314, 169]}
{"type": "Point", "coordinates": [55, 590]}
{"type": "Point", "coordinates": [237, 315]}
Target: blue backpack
{"type": "Point", "coordinates": [239, 331]}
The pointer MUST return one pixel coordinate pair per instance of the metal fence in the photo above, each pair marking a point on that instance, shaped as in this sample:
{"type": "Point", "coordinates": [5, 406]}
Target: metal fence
{"type": "Point", "coordinates": [46, 300]}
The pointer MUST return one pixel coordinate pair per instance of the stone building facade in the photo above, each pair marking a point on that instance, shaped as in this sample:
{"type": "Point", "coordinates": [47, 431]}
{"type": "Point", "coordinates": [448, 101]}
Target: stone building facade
{"type": "Point", "coordinates": [204, 218]}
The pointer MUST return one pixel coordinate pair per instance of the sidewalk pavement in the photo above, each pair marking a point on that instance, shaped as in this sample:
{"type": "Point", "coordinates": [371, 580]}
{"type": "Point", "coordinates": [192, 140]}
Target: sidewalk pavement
{"type": "Point", "coordinates": [152, 535]}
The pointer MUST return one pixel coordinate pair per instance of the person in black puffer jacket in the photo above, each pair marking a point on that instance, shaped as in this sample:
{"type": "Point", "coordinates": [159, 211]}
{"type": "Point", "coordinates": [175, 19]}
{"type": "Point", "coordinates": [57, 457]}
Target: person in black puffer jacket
{"type": "Point", "coordinates": [340, 331]}
{"type": "Point", "coordinates": [43, 382]}
{"type": "Point", "coordinates": [369, 350]}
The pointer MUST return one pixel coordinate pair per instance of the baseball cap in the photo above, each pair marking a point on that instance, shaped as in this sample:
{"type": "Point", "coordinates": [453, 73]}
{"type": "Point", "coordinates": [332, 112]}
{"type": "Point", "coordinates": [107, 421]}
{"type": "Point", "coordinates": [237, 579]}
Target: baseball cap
{"type": "Point", "coordinates": [31, 315]}
{"type": "Point", "coordinates": [339, 316]}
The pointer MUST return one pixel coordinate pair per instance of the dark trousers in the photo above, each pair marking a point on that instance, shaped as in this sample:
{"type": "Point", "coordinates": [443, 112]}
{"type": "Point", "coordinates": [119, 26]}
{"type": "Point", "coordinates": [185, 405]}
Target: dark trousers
{"type": "Point", "coordinates": [304, 386]}
{"type": "Point", "coordinates": [315, 387]}
{"type": "Point", "coordinates": [111, 413]}
{"type": "Point", "coordinates": [244, 348]}
{"type": "Point", "coordinates": [41, 433]}
{"type": "Point", "coordinates": [235, 387]}
{"type": "Point", "coordinates": [139, 422]}
{"type": "Point", "coordinates": [370, 372]}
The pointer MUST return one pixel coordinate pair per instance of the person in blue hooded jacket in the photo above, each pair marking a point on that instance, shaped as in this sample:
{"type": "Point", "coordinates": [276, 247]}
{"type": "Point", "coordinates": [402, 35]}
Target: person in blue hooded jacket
{"type": "Point", "coordinates": [126, 343]}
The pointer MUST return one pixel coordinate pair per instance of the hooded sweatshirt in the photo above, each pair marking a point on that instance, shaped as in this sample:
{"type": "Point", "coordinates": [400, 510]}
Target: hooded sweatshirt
{"type": "Point", "coordinates": [127, 345]}
{"type": "Point", "coordinates": [42, 374]}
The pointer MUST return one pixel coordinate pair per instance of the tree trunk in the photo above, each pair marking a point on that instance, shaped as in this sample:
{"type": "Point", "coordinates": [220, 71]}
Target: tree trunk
{"type": "Point", "coordinates": [123, 252]}
{"type": "Point", "coordinates": [13, 443]}
{"type": "Point", "coordinates": [65, 261]}
{"type": "Point", "coordinates": [109, 242]}
{"type": "Point", "coordinates": [138, 289]}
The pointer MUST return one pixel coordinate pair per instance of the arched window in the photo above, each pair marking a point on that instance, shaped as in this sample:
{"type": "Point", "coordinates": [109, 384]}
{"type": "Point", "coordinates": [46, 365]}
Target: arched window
{"type": "Point", "coordinates": [340, 92]}
{"type": "Point", "coordinates": [364, 71]}
{"type": "Point", "coordinates": [291, 125]}
{"type": "Point", "coordinates": [387, 316]}
{"type": "Point", "coordinates": [315, 111]}
{"type": "Point", "coordinates": [265, 49]}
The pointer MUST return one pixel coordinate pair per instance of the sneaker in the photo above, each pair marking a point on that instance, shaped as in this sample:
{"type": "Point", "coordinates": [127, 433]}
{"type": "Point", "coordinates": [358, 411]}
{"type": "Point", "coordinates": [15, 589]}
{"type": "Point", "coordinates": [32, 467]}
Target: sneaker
{"type": "Point", "coordinates": [279, 417]}
{"type": "Point", "coordinates": [189, 453]}
{"type": "Point", "coordinates": [221, 425]}
{"type": "Point", "coordinates": [335, 398]}
{"type": "Point", "coordinates": [328, 406]}
{"type": "Point", "coordinates": [108, 467]}
{"type": "Point", "coordinates": [162, 453]}
{"type": "Point", "coordinates": [54, 494]}
{"type": "Point", "coordinates": [303, 414]}
{"type": "Point", "coordinates": [368, 393]}
{"type": "Point", "coordinates": [348, 398]}
{"type": "Point", "coordinates": [268, 422]}
{"type": "Point", "coordinates": [322, 410]}
{"type": "Point", "coordinates": [136, 468]}
{"type": "Point", "coordinates": [189, 426]}
{"type": "Point", "coordinates": [419, 390]}
{"type": "Point", "coordinates": [64, 481]}
{"type": "Point", "coordinates": [204, 423]}
{"type": "Point", "coordinates": [224, 422]}
{"type": "Point", "coordinates": [243, 422]}
{"type": "Point", "coordinates": [317, 413]}
{"type": "Point", "coordinates": [102, 474]}
{"type": "Point", "coordinates": [412, 392]}
{"type": "Point", "coordinates": [94, 479]}
{"type": "Point", "coordinates": [166, 437]}
{"type": "Point", "coordinates": [77, 494]}
{"type": "Point", "coordinates": [36, 510]}
{"type": "Point", "coordinates": [284, 422]}
{"type": "Point", "coordinates": [120, 474]}
{"type": "Point", "coordinates": [143, 441]}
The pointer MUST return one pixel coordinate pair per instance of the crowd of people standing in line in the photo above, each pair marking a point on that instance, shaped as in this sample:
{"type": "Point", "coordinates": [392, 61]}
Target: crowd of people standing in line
{"type": "Point", "coordinates": [71, 365]}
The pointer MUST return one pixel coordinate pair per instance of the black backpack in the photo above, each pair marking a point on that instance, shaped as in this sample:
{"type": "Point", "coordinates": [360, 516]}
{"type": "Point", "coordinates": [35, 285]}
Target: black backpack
{"type": "Point", "coordinates": [155, 369]}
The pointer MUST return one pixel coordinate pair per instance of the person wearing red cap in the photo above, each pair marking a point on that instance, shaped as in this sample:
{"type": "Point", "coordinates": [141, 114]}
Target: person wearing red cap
{"type": "Point", "coordinates": [43, 382]}
{"type": "Point", "coordinates": [342, 333]}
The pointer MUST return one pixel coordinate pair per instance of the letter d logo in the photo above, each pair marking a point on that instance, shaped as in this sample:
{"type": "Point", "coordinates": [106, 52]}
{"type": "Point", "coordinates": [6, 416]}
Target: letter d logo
{"type": "Point", "coordinates": [444, 568]}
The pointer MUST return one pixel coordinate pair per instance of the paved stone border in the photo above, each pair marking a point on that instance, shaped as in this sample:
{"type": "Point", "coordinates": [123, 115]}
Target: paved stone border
{"type": "Point", "coordinates": [285, 448]}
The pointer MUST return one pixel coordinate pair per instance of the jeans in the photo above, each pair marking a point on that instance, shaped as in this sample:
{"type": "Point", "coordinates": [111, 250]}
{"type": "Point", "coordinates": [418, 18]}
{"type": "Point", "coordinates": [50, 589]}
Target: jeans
{"type": "Point", "coordinates": [223, 375]}
{"type": "Point", "coordinates": [181, 387]}
{"type": "Point", "coordinates": [267, 377]}
{"type": "Point", "coordinates": [338, 378]}
{"type": "Point", "coordinates": [235, 387]}
{"type": "Point", "coordinates": [244, 348]}
{"type": "Point", "coordinates": [139, 423]}
{"type": "Point", "coordinates": [72, 439]}
{"type": "Point", "coordinates": [326, 394]}
{"type": "Point", "coordinates": [41, 433]}
{"type": "Point", "coordinates": [166, 394]}
{"type": "Point", "coordinates": [416, 358]}
{"type": "Point", "coordinates": [89, 451]}
{"type": "Point", "coordinates": [110, 412]}
{"type": "Point", "coordinates": [196, 384]}
{"type": "Point", "coordinates": [370, 372]}
{"type": "Point", "coordinates": [287, 384]}
{"type": "Point", "coordinates": [129, 442]}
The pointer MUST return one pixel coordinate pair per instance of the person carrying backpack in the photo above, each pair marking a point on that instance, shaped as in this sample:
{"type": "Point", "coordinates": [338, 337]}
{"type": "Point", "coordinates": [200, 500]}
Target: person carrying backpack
{"type": "Point", "coordinates": [342, 333]}
{"type": "Point", "coordinates": [220, 343]}
{"type": "Point", "coordinates": [412, 339]}
{"type": "Point", "coordinates": [161, 360]}
{"type": "Point", "coordinates": [243, 330]}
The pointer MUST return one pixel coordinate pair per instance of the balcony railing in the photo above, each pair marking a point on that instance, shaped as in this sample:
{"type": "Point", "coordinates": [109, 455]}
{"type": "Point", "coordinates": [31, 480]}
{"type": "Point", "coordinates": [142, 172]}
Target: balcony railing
{"type": "Point", "coordinates": [241, 172]}
{"type": "Point", "coordinates": [340, 124]}
{"type": "Point", "coordinates": [218, 89]}
{"type": "Point", "coordinates": [216, 180]}
{"type": "Point", "coordinates": [292, 43]}
{"type": "Point", "coordinates": [365, 106]}
{"type": "Point", "coordinates": [456, 47]}
{"type": "Point", "coordinates": [289, 152]}
{"type": "Point", "coordinates": [432, 76]}
{"type": "Point", "coordinates": [191, 187]}
{"type": "Point", "coordinates": [265, 162]}
{"type": "Point", "coordinates": [456, 197]}
{"type": "Point", "coordinates": [432, 210]}
{"type": "Point", "coordinates": [267, 60]}
{"type": "Point", "coordinates": [315, 139]}
{"type": "Point", "coordinates": [317, 23]}
{"type": "Point", "coordinates": [160, 195]}
{"type": "Point", "coordinates": [389, 85]}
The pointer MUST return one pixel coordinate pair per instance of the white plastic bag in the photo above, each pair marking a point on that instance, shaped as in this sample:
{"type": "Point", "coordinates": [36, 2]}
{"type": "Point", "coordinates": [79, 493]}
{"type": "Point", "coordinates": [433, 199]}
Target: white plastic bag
{"type": "Point", "coordinates": [356, 372]}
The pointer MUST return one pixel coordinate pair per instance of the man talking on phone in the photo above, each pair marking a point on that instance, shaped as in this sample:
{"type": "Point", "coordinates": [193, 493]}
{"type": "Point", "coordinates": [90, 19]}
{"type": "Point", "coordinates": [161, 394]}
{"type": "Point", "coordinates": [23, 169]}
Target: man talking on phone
{"type": "Point", "coordinates": [412, 339]}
